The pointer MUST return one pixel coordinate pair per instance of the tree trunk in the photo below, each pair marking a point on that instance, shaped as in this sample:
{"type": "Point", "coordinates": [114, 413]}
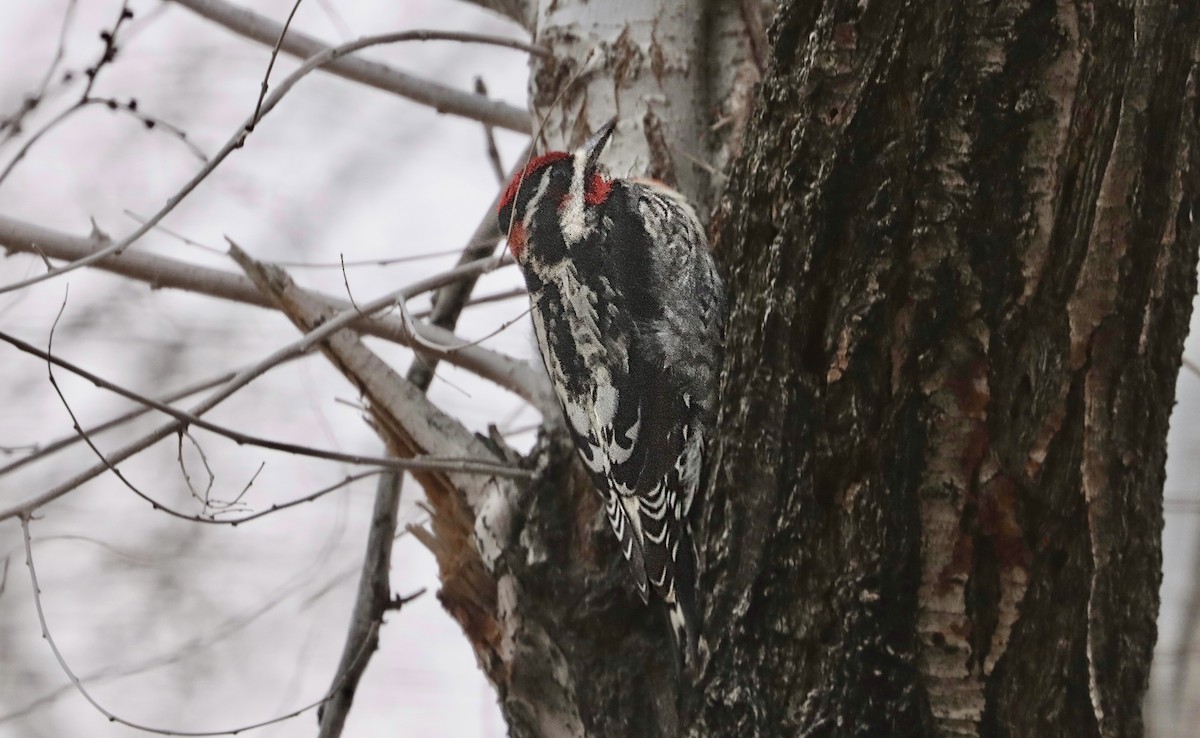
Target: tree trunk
{"type": "Point", "coordinates": [961, 260]}
{"type": "Point", "coordinates": [960, 252]}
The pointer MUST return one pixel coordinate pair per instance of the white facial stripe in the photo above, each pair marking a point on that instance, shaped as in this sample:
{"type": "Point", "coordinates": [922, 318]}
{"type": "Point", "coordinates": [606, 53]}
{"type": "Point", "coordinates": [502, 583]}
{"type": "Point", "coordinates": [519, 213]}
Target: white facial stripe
{"type": "Point", "coordinates": [542, 183]}
{"type": "Point", "coordinates": [574, 224]}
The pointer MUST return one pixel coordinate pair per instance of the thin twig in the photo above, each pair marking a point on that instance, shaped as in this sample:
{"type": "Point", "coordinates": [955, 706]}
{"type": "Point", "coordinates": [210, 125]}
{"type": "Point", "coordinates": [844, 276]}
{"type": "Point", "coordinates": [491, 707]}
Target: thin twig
{"type": "Point", "coordinates": [28, 448]}
{"type": "Point", "coordinates": [371, 73]}
{"type": "Point", "coordinates": [32, 140]}
{"type": "Point", "coordinates": [342, 264]}
{"type": "Point", "coordinates": [281, 506]}
{"type": "Point", "coordinates": [271, 65]}
{"type": "Point", "coordinates": [150, 122]}
{"type": "Point", "coordinates": [1191, 366]}
{"type": "Point", "coordinates": [482, 300]}
{"type": "Point", "coordinates": [239, 138]}
{"type": "Point", "coordinates": [110, 49]}
{"type": "Point", "coordinates": [112, 717]}
{"type": "Point", "coordinates": [190, 419]}
{"type": "Point", "coordinates": [516, 376]}
{"type": "Point", "coordinates": [249, 483]}
{"type": "Point", "coordinates": [349, 292]}
{"type": "Point", "coordinates": [415, 329]}
{"type": "Point", "coordinates": [383, 262]}
{"type": "Point", "coordinates": [107, 56]}
{"type": "Point", "coordinates": [489, 137]}
{"type": "Point", "coordinates": [187, 478]}
{"type": "Point", "coordinates": [373, 596]}
{"type": "Point", "coordinates": [174, 654]}
{"type": "Point", "coordinates": [111, 466]}
{"type": "Point", "coordinates": [11, 125]}
{"type": "Point", "coordinates": [41, 452]}
{"type": "Point", "coordinates": [244, 377]}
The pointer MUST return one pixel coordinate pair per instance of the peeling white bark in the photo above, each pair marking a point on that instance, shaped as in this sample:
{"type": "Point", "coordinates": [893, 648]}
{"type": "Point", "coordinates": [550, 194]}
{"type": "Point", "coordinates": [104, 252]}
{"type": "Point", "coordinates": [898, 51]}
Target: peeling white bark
{"type": "Point", "coordinates": [679, 74]}
{"type": "Point", "coordinates": [640, 62]}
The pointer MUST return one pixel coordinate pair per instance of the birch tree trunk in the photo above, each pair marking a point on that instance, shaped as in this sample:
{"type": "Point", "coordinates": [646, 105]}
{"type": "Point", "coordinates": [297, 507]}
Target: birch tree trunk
{"type": "Point", "coordinates": [961, 256]}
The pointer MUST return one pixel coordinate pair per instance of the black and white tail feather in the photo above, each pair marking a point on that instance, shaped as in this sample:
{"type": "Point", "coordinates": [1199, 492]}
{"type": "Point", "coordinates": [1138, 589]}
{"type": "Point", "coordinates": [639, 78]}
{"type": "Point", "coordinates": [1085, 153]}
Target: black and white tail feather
{"type": "Point", "coordinates": [629, 315]}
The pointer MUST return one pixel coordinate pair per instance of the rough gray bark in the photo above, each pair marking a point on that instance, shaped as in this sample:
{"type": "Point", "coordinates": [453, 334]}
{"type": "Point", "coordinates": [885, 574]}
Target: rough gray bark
{"type": "Point", "coordinates": [960, 251]}
{"type": "Point", "coordinates": [962, 259]}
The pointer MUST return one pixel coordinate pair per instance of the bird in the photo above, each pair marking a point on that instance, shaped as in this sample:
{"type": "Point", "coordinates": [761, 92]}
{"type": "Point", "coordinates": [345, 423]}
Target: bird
{"type": "Point", "coordinates": [629, 311]}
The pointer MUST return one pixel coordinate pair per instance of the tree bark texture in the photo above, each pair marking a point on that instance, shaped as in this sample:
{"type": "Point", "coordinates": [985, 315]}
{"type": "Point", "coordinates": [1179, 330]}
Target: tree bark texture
{"type": "Point", "coordinates": [678, 74]}
{"type": "Point", "coordinates": [961, 256]}
{"type": "Point", "coordinates": [960, 251]}
{"type": "Point", "coordinates": [539, 587]}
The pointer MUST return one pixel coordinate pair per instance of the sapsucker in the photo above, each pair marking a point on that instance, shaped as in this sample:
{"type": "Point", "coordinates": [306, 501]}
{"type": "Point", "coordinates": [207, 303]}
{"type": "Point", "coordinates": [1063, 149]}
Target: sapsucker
{"type": "Point", "coordinates": [629, 314]}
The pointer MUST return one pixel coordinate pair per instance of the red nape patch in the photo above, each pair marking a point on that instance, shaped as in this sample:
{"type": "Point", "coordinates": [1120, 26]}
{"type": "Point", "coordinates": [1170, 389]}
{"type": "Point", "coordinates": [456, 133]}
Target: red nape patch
{"type": "Point", "coordinates": [516, 239]}
{"type": "Point", "coordinates": [545, 160]}
{"type": "Point", "coordinates": [597, 190]}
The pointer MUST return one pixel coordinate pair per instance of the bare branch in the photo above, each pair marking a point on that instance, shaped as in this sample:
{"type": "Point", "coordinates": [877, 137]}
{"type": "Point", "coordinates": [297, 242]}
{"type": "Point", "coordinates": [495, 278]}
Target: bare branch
{"type": "Point", "coordinates": [483, 300]}
{"type": "Point", "coordinates": [38, 452]}
{"type": "Point", "coordinates": [411, 425]}
{"type": "Point", "coordinates": [37, 136]}
{"type": "Point", "coordinates": [1191, 366]}
{"type": "Point", "coordinates": [271, 64]}
{"type": "Point", "coordinates": [415, 329]}
{"type": "Point", "coordinates": [109, 54]}
{"type": "Point", "coordinates": [151, 122]}
{"type": "Point", "coordinates": [239, 138]}
{"type": "Point", "coordinates": [419, 425]}
{"type": "Point", "coordinates": [107, 57]}
{"type": "Point", "coordinates": [489, 136]}
{"type": "Point", "coordinates": [105, 462]}
{"type": "Point", "coordinates": [516, 376]}
{"type": "Point", "coordinates": [373, 596]}
{"type": "Point", "coordinates": [108, 462]}
{"type": "Point", "coordinates": [11, 126]}
{"type": "Point", "coordinates": [340, 264]}
{"type": "Point", "coordinates": [204, 499]}
{"type": "Point", "coordinates": [333, 323]}
{"type": "Point", "coordinates": [188, 419]}
{"type": "Point", "coordinates": [371, 601]}
{"type": "Point", "coordinates": [62, 662]}
{"type": "Point", "coordinates": [234, 522]}
{"type": "Point", "coordinates": [130, 108]}
{"type": "Point", "coordinates": [371, 73]}
{"type": "Point", "coordinates": [450, 299]}
{"type": "Point", "coordinates": [158, 271]}
{"type": "Point", "coordinates": [174, 654]}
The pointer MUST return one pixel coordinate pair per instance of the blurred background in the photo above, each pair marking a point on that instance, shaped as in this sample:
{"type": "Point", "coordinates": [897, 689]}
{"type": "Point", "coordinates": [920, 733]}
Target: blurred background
{"type": "Point", "coordinates": [200, 627]}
